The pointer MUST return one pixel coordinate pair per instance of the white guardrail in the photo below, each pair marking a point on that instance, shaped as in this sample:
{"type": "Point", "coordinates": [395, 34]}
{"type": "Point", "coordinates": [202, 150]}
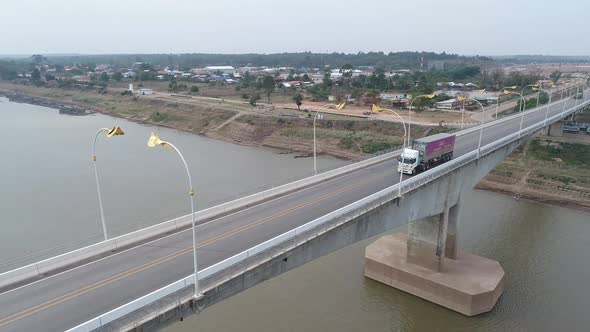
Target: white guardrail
{"type": "Point", "coordinates": [349, 210]}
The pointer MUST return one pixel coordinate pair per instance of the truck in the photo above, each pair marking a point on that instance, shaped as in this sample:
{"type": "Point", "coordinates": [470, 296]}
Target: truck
{"type": "Point", "coordinates": [426, 153]}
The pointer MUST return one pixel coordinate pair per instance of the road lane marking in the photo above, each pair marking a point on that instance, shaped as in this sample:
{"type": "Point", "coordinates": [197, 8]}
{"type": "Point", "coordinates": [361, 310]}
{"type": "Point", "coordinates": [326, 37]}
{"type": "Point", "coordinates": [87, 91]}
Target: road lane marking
{"type": "Point", "coordinates": [133, 271]}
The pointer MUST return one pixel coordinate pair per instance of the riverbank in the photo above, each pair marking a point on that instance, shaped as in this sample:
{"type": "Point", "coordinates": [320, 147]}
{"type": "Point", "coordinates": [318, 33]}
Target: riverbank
{"type": "Point", "coordinates": [547, 169]}
{"type": "Point", "coordinates": [337, 135]}
{"type": "Point", "coordinates": [537, 171]}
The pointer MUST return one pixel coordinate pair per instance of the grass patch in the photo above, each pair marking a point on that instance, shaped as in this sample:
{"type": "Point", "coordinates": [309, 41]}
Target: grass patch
{"type": "Point", "coordinates": [572, 154]}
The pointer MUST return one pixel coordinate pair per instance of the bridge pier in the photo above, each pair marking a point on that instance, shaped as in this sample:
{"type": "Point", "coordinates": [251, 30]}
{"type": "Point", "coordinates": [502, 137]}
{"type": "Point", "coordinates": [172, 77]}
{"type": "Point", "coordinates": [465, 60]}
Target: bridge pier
{"type": "Point", "coordinates": [555, 129]}
{"type": "Point", "coordinates": [426, 262]}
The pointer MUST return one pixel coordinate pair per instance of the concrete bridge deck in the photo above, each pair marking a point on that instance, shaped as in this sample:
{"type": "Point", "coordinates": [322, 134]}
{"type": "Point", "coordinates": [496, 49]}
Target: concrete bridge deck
{"type": "Point", "coordinates": [62, 301]}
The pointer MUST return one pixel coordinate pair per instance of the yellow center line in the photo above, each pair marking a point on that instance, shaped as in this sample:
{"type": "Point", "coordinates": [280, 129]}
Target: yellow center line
{"type": "Point", "coordinates": [171, 256]}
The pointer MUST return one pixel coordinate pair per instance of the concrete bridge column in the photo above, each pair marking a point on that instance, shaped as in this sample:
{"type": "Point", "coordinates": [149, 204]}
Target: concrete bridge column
{"type": "Point", "coordinates": [427, 263]}
{"type": "Point", "coordinates": [426, 241]}
{"type": "Point", "coordinates": [452, 228]}
{"type": "Point", "coordinates": [555, 129]}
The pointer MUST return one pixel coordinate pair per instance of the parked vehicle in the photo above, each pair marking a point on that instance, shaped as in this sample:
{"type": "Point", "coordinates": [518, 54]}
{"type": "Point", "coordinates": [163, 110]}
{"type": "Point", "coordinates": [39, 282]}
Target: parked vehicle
{"type": "Point", "coordinates": [579, 95]}
{"type": "Point", "coordinates": [571, 129]}
{"type": "Point", "coordinates": [426, 153]}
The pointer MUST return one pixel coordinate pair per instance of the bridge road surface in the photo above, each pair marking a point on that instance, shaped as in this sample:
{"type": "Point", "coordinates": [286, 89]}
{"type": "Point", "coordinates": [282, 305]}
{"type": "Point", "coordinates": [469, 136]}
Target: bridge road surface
{"type": "Point", "coordinates": [64, 300]}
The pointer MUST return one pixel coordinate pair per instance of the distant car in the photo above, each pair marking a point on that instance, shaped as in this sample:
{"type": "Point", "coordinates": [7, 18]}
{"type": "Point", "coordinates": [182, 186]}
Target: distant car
{"type": "Point", "coordinates": [367, 113]}
{"type": "Point", "coordinates": [571, 129]}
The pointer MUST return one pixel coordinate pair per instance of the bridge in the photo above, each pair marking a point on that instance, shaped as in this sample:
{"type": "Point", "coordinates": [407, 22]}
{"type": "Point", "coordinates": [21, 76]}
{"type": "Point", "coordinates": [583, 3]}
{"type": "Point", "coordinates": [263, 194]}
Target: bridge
{"type": "Point", "coordinates": [144, 277]}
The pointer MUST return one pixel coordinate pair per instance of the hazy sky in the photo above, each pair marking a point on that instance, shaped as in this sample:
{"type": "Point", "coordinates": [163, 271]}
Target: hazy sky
{"type": "Point", "coordinates": [270, 26]}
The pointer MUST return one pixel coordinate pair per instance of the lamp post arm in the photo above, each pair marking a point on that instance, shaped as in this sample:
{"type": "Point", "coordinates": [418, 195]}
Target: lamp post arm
{"type": "Point", "coordinates": [188, 173]}
{"type": "Point", "coordinates": [410, 112]}
{"type": "Point", "coordinates": [315, 164]}
{"type": "Point", "coordinates": [102, 130]}
{"type": "Point", "coordinates": [401, 173]}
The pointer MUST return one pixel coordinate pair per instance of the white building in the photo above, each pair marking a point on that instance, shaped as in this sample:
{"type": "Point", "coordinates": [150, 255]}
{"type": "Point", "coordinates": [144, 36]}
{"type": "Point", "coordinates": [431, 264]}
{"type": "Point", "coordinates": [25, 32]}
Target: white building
{"type": "Point", "coordinates": [447, 104]}
{"type": "Point", "coordinates": [394, 96]}
{"type": "Point", "coordinates": [223, 69]}
{"type": "Point", "coordinates": [145, 91]}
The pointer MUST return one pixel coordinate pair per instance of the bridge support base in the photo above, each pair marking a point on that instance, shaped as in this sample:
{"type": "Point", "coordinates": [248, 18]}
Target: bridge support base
{"type": "Point", "coordinates": [555, 129]}
{"type": "Point", "coordinates": [468, 284]}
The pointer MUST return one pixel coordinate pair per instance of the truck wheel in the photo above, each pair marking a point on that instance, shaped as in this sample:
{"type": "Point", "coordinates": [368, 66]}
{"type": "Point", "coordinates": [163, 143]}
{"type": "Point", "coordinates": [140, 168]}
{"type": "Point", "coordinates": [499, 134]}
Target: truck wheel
{"type": "Point", "coordinates": [414, 171]}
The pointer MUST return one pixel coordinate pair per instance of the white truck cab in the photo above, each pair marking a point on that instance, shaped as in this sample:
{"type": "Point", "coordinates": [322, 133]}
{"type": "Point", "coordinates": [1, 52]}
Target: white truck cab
{"type": "Point", "coordinates": [408, 161]}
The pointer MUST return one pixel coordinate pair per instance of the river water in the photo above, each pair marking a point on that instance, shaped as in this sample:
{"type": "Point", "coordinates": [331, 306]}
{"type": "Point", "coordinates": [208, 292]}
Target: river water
{"type": "Point", "coordinates": [48, 197]}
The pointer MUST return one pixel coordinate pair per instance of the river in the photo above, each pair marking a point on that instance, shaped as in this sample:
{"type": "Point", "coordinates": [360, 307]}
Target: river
{"type": "Point", "coordinates": [49, 197]}
{"type": "Point", "coordinates": [49, 200]}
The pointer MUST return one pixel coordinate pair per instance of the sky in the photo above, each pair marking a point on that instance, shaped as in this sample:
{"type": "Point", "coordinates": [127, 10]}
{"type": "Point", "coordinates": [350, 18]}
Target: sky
{"type": "Point", "coordinates": [470, 27]}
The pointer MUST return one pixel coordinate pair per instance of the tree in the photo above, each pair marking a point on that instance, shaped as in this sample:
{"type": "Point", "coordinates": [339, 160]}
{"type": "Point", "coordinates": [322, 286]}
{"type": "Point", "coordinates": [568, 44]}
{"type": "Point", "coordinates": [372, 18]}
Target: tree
{"type": "Point", "coordinates": [298, 99]}
{"type": "Point", "coordinates": [254, 98]}
{"type": "Point", "coordinates": [327, 81]}
{"type": "Point", "coordinates": [145, 76]}
{"type": "Point", "coordinates": [291, 76]}
{"type": "Point", "coordinates": [498, 77]}
{"type": "Point", "coordinates": [118, 76]}
{"type": "Point", "coordinates": [104, 77]}
{"type": "Point", "coordinates": [268, 85]}
{"type": "Point", "coordinates": [194, 89]}
{"type": "Point", "coordinates": [555, 76]}
{"type": "Point", "coordinates": [39, 59]}
{"type": "Point", "coordinates": [173, 86]}
{"type": "Point", "coordinates": [35, 75]}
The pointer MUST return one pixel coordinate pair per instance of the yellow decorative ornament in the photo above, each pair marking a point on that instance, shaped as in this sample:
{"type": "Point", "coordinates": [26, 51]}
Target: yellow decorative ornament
{"type": "Point", "coordinates": [116, 131]}
{"type": "Point", "coordinates": [155, 140]}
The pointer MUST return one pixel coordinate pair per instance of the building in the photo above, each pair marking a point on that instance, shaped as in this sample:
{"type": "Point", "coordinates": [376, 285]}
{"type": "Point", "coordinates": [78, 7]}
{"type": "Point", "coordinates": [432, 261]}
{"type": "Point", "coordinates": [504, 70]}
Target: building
{"type": "Point", "coordinates": [485, 98]}
{"type": "Point", "coordinates": [394, 96]}
{"type": "Point", "coordinates": [145, 91]}
{"type": "Point", "coordinates": [223, 69]}
{"type": "Point", "coordinates": [449, 104]}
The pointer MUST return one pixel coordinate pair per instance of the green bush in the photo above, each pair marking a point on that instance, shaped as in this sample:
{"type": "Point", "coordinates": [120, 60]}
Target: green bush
{"type": "Point", "coordinates": [374, 147]}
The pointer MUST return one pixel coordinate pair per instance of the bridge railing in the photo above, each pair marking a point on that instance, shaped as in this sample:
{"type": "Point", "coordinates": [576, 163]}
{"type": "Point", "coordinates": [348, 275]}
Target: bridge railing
{"type": "Point", "coordinates": [237, 264]}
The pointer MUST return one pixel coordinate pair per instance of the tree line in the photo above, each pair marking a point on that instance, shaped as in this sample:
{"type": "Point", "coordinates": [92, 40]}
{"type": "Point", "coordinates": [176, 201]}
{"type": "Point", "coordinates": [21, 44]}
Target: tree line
{"type": "Point", "coordinates": [409, 60]}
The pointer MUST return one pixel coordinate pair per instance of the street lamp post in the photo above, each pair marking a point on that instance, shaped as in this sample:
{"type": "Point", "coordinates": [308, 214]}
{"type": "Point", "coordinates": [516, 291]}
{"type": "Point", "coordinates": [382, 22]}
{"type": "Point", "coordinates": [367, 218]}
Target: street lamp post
{"type": "Point", "coordinates": [462, 114]}
{"type": "Point", "coordinates": [115, 131]}
{"type": "Point", "coordinates": [548, 103]}
{"type": "Point", "coordinates": [534, 86]}
{"type": "Point", "coordinates": [481, 121]}
{"type": "Point", "coordinates": [502, 91]}
{"type": "Point", "coordinates": [154, 141]}
{"type": "Point", "coordinates": [406, 137]}
{"type": "Point", "coordinates": [315, 165]}
{"type": "Point", "coordinates": [565, 96]}
{"type": "Point", "coordinates": [522, 115]}
{"type": "Point", "coordinates": [430, 96]}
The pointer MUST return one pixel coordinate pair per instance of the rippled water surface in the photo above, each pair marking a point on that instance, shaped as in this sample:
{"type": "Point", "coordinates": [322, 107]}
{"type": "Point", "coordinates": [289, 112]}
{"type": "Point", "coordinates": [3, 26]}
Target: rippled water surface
{"type": "Point", "coordinates": [48, 193]}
